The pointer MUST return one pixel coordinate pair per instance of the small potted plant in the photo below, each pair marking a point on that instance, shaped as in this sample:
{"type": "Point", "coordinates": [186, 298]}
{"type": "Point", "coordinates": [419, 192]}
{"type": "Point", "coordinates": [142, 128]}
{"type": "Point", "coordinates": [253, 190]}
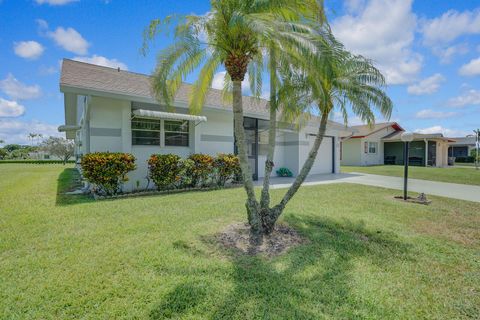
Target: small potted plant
{"type": "Point", "coordinates": [284, 172]}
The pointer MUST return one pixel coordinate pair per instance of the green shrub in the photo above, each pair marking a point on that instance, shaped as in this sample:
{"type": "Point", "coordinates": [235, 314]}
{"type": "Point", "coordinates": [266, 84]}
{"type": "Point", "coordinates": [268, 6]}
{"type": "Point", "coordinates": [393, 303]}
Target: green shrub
{"type": "Point", "coordinates": [202, 170]}
{"type": "Point", "coordinates": [107, 171]}
{"type": "Point", "coordinates": [227, 167]}
{"type": "Point", "coordinates": [185, 169]}
{"type": "Point", "coordinates": [284, 172]}
{"type": "Point", "coordinates": [465, 159]}
{"type": "Point", "coordinates": [164, 170]}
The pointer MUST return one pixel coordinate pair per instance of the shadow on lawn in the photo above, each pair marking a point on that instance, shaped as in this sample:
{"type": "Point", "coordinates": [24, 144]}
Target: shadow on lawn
{"type": "Point", "coordinates": [311, 281]}
{"type": "Point", "coordinates": [67, 181]}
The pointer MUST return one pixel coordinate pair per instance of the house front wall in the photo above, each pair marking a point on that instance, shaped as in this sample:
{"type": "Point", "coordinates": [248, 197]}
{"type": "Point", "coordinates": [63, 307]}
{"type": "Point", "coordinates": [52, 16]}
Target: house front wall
{"type": "Point", "coordinates": [377, 158]}
{"type": "Point", "coordinates": [106, 126]}
{"type": "Point", "coordinates": [109, 130]}
{"type": "Point", "coordinates": [351, 152]}
{"type": "Point", "coordinates": [357, 153]}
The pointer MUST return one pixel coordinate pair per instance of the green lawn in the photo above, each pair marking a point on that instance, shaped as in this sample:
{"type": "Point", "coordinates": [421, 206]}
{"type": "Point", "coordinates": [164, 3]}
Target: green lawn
{"type": "Point", "coordinates": [367, 256]}
{"type": "Point", "coordinates": [454, 175]}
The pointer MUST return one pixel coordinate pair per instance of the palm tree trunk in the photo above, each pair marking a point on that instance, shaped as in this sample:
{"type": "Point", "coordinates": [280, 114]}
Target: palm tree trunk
{"type": "Point", "coordinates": [252, 203]}
{"type": "Point", "coordinates": [275, 212]}
{"type": "Point", "coordinates": [272, 132]}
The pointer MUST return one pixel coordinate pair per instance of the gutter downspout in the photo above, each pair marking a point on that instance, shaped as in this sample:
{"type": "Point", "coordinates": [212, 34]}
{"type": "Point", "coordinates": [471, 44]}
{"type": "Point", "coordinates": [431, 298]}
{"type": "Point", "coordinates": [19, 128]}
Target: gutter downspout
{"type": "Point", "coordinates": [87, 123]}
{"type": "Point", "coordinates": [426, 152]}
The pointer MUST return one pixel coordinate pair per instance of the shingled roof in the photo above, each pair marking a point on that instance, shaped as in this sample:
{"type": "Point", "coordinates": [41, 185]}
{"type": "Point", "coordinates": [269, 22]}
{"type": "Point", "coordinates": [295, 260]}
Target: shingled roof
{"type": "Point", "coordinates": [366, 130]}
{"type": "Point", "coordinates": [397, 136]}
{"type": "Point", "coordinates": [86, 76]}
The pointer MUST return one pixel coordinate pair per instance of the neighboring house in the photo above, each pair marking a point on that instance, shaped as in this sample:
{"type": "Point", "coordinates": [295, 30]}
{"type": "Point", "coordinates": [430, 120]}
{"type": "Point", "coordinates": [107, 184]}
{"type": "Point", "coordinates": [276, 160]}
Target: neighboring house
{"type": "Point", "coordinates": [114, 110]}
{"type": "Point", "coordinates": [462, 147]}
{"type": "Point", "coordinates": [381, 144]}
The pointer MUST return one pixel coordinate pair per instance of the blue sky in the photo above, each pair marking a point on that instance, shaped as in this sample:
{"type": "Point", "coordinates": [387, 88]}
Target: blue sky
{"type": "Point", "coordinates": [429, 53]}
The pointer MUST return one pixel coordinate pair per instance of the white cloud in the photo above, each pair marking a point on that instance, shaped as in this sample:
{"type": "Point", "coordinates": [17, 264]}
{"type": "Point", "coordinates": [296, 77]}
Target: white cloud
{"type": "Point", "coordinates": [69, 39]}
{"type": "Point", "coordinates": [45, 71]}
{"type": "Point", "coordinates": [219, 80]}
{"type": "Point", "coordinates": [374, 31]}
{"type": "Point", "coordinates": [55, 2]}
{"type": "Point", "coordinates": [17, 90]}
{"type": "Point", "coordinates": [16, 131]}
{"type": "Point", "coordinates": [426, 86]}
{"type": "Point", "coordinates": [431, 114]}
{"type": "Point", "coordinates": [449, 26]}
{"type": "Point", "coordinates": [470, 97]}
{"type": "Point", "coordinates": [353, 5]}
{"type": "Point", "coordinates": [42, 25]}
{"type": "Point", "coordinates": [470, 69]}
{"type": "Point", "coordinates": [10, 108]}
{"type": "Point", "coordinates": [445, 131]}
{"type": "Point", "coordinates": [351, 121]}
{"type": "Point", "coordinates": [446, 54]}
{"type": "Point", "coordinates": [102, 61]}
{"type": "Point", "coordinates": [28, 49]}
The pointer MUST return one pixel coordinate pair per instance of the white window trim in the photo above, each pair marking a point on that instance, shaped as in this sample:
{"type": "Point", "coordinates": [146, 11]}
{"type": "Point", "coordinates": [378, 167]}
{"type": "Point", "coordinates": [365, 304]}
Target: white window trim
{"type": "Point", "coordinates": [368, 147]}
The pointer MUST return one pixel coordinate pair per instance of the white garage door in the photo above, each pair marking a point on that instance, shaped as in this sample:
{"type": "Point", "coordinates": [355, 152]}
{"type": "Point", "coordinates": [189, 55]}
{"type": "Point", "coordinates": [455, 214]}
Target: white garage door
{"type": "Point", "coordinates": [324, 161]}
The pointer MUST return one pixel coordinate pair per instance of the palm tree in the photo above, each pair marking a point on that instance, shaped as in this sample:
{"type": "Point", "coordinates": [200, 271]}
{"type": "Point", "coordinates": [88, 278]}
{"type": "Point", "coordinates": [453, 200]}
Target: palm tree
{"type": "Point", "coordinates": [335, 79]}
{"type": "Point", "coordinates": [31, 136]}
{"type": "Point", "coordinates": [237, 33]}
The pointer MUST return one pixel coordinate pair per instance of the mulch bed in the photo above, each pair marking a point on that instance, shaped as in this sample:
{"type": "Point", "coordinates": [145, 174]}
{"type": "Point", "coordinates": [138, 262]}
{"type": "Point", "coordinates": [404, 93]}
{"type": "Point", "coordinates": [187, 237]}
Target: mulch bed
{"type": "Point", "coordinates": [237, 237]}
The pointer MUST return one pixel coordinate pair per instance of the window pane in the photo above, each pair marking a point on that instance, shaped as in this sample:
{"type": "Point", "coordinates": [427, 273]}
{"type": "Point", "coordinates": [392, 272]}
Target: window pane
{"type": "Point", "coordinates": [146, 124]}
{"type": "Point", "coordinates": [145, 137]}
{"type": "Point", "coordinates": [176, 126]}
{"type": "Point", "coordinates": [176, 139]}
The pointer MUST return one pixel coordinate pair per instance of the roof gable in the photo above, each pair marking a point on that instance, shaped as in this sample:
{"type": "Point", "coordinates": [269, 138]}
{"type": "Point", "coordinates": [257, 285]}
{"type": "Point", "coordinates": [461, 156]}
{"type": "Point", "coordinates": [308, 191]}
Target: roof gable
{"type": "Point", "coordinates": [363, 131]}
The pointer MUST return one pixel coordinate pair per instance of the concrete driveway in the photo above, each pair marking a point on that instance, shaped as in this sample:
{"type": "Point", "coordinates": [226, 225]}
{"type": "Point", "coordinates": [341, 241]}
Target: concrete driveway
{"type": "Point", "coordinates": [443, 189]}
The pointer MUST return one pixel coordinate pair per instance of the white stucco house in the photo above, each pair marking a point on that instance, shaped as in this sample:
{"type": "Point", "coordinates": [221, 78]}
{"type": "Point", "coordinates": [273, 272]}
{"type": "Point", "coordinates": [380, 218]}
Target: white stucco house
{"type": "Point", "coordinates": [114, 110]}
{"type": "Point", "coordinates": [381, 144]}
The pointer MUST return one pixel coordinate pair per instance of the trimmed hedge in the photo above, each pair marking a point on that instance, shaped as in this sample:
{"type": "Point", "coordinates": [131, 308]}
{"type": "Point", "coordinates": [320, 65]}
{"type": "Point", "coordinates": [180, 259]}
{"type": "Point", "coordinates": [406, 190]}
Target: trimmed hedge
{"type": "Point", "coordinates": [465, 159]}
{"type": "Point", "coordinates": [32, 161]}
{"type": "Point", "coordinates": [107, 171]}
{"type": "Point", "coordinates": [169, 171]}
{"type": "Point", "coordinates": [164, 170]}
{"type": "Point", "coordinates": [227, 167]}
{"type": "Point", "coordinates": [202, 169]}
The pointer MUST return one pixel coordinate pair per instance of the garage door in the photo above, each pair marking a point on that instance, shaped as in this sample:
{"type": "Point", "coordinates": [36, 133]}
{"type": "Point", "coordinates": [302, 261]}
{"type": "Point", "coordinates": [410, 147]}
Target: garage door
{"type": "Point", "coordinates": [324, 161]}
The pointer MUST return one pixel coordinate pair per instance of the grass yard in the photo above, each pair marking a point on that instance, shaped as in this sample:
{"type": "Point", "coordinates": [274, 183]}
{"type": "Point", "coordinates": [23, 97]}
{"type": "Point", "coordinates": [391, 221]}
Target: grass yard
{"type": "Point", "coordinates": [453, 175]}
{"type": "Point", "coordinates": [367, 257]}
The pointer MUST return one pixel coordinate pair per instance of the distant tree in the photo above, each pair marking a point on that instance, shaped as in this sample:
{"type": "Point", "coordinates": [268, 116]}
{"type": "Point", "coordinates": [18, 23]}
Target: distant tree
{"type": "Point", "coordinates": [3, 153]}
{"type": "Point", "coordinates": [59, 147]}
{"type": "Point", "coordinates": [12, 147]}
{"type": "Point", "coordinates": [2, 141]}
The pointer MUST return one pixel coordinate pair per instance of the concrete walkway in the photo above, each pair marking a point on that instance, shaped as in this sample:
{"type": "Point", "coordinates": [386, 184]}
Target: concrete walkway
{"type": "Point", "coordinates": [443, 189]}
